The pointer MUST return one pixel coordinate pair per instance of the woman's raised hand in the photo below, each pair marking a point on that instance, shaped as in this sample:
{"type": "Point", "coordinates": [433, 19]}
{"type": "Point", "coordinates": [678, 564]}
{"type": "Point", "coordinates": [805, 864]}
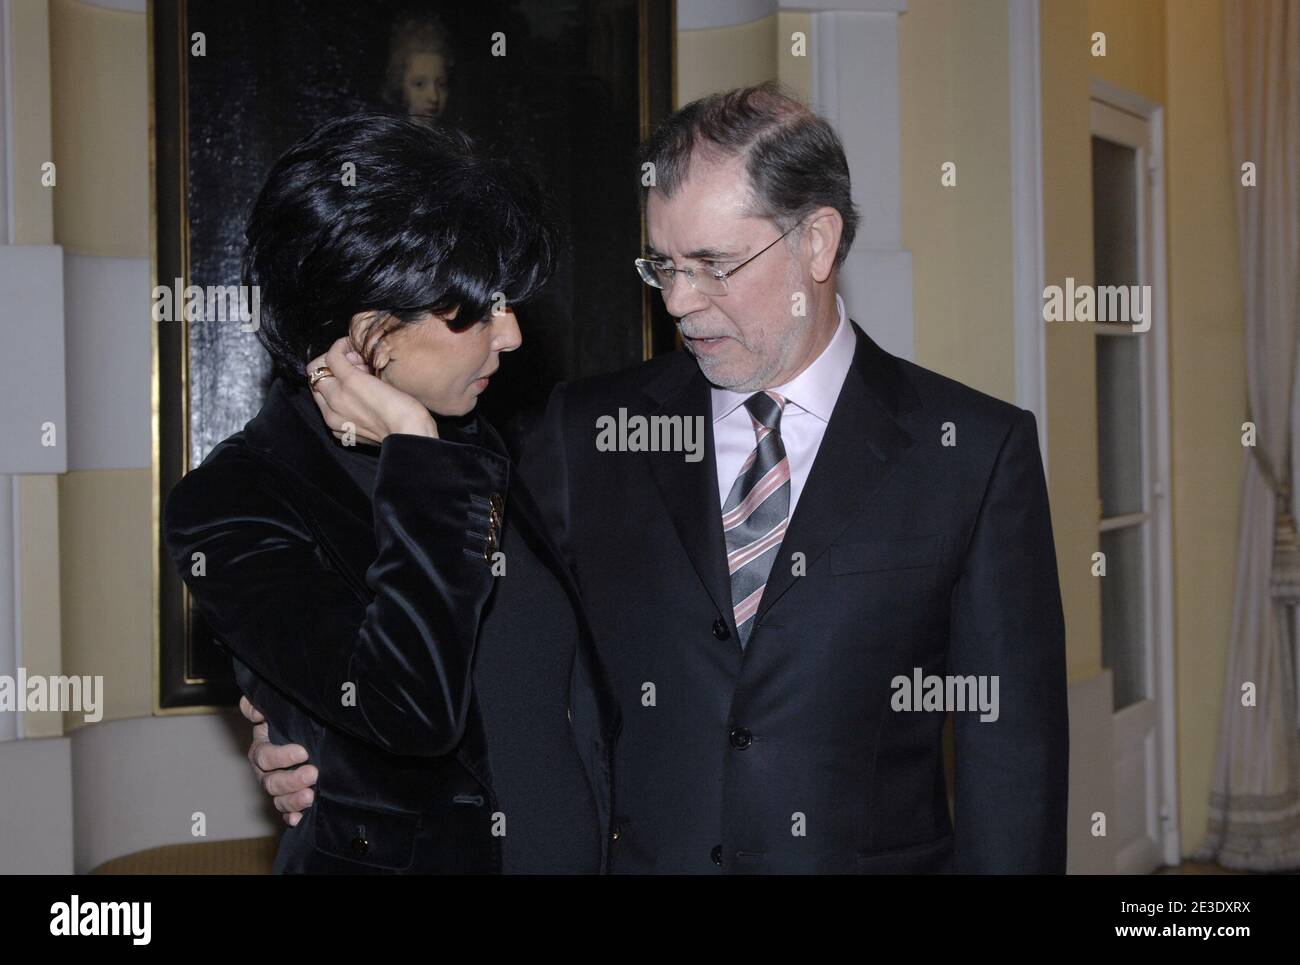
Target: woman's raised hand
{"type": "Point", "coordinates": [355, 402]}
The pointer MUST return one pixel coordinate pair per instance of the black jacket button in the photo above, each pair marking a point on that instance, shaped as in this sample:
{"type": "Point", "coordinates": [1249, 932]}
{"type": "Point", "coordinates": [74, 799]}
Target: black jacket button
{"type": "Point", "coordinates": [716, 855]}
{"type": "Point", "coordinates": [360, 845]}
{"type": "Point", "coordinates": [741, 738]}
{"type": "Point", "coordinates": [720, 629]}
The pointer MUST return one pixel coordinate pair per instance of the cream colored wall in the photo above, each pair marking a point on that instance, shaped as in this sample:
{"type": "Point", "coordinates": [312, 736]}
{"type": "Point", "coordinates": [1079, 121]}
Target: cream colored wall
{"type": "Point", "coordinates": [42, 593]}
{"type": "Point", "coordinates": [1071, 363]}
{"type": "Point", "coordinates": [955, 106]}
{"type": "Point", "coordinates": [1207, 372]}
{"type": "Point", "coordinates": [1135, 44]}
{"type": "Point", "coordinates": [1173, 54]}
{"type": "Point", "coordinates": [99, 68]}
{"type": "Point", "coordinates": [98, 71]}
{"type": "Point", "coordinates": [105, 525]}
{"type": "Point", "coordinates": [29, 46]}
{"type": "Point", "coordinates": [38, 555]}
{"type": "Point", "coordinates": [719, 58]}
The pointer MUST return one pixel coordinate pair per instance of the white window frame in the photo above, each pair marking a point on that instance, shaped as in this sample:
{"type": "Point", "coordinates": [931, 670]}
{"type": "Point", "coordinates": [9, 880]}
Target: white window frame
{"type": "Point", "coordinates": [1159, 557]}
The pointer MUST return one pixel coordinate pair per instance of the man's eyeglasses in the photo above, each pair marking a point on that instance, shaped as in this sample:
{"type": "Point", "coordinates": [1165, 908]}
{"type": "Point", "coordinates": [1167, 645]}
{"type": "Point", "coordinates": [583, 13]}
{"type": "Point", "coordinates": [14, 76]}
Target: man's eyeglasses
{"type": "Point", "coordinates": [710, 281]}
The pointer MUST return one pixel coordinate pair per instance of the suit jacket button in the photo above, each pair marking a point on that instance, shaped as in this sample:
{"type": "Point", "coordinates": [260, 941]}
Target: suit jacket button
{"type": "Point", "coordinates": [720, 629]}
{"type": "Point", "coordinates": [716, 855]}
{"type": "Point", "coordinates": [360, 845]}
{"type": "Point", "coordinates": [741, 738]}
{"type": "Point", "coordinates": [615, 832]}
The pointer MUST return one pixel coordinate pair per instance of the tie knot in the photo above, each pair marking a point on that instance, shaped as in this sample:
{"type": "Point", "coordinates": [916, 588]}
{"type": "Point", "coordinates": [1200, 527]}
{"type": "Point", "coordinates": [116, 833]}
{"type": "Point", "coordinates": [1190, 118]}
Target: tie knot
{"type": "Point", "coordinates": [766, 408]}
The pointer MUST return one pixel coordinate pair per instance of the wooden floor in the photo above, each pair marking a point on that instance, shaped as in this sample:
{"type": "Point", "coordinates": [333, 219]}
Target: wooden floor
{"type": "Point", "coordinates": [246, 856]}
{"type": "Point", "coordinates": [1199, 868]}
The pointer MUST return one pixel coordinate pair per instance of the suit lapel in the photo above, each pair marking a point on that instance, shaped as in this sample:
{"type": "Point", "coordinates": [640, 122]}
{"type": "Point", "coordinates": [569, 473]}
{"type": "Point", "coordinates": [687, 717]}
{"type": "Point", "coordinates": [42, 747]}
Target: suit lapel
{"type": "Point", "coordinates": [690, 489]}
{"type": "Point", "coordinates": [862, 446]}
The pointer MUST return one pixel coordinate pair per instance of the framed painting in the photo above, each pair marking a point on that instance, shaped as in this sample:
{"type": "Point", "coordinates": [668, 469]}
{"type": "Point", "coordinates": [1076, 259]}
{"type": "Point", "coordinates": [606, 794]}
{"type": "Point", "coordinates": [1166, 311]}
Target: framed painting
{"type": "Point", "coordinates": [567, 87]}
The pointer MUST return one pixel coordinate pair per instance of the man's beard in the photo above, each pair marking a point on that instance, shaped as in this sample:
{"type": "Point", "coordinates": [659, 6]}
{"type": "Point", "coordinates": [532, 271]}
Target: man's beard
{"type": "Point", "coordinates": [754, 381]}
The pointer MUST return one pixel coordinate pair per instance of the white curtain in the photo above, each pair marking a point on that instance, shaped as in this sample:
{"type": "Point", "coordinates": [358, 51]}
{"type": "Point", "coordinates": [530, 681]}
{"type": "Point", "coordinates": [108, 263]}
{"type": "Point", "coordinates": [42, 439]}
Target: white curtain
{"type": "Point", "coordinates": [1255, 797]}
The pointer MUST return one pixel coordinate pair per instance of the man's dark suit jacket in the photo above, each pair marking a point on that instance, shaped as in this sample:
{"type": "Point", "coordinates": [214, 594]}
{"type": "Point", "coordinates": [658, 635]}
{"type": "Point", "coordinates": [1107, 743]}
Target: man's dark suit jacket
{"type": "Point", "coordinates": [310, 586]}
{"type": "Point", "coordinates": [786, 756]}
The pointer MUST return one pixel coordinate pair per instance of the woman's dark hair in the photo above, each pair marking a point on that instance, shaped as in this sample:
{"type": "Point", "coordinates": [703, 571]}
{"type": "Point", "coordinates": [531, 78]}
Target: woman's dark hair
{"type": "Point", "coordinates": [377, 212]}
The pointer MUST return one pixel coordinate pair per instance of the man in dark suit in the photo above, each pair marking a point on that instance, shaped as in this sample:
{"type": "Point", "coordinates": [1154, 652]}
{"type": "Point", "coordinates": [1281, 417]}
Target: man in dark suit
{"type": "Point", "coordinates": [855, 519]}
{"type": "Point", "coordinates": [860, 546]}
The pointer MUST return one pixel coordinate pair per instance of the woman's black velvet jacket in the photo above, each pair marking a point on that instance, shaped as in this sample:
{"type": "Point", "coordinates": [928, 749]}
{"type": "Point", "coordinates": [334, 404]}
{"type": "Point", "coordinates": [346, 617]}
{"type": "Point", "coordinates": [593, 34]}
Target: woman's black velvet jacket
{"type": "Point", "coordinates": [353, 627]}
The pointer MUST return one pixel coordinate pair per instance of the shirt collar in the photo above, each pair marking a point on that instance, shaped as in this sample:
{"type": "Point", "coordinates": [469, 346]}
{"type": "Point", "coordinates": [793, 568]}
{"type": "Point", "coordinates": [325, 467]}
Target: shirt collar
{"type": "Point", "coordinates": [817, 387]}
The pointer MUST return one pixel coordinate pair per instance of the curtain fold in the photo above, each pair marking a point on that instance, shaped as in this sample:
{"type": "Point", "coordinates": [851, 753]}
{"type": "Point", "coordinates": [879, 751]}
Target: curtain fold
{"type": "Point", "coordinates": [1255, 796]}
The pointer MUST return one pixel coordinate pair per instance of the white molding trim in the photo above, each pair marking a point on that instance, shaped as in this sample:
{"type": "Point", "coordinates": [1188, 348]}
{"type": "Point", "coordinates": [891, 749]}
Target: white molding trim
{"type": "Point", "coordinates": [1164, 468]}
{"type": "Point", "coordinates": [1122, 99]}
{"type": "Point", "coordinates": [1167, 723]}
{"type": "Point", "coordinates": [855, 88]}
{"type": "Point", "coordinates": [1027, 266]}
{"type": "Point", "coordinates": [8, 223]}
{"type": "Point", "coordinates": [36, 811]}
{"type": "Point", "coordinates": [845, 6]}
{"type": "Point", "coordinates": [1092, 773]}
{"type": "Point", "coordinates": [10, 591]}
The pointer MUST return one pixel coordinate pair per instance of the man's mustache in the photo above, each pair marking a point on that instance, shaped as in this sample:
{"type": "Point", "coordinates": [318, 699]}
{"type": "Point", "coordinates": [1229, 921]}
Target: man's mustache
{"type": "Point", "coordinates": [688, 333]}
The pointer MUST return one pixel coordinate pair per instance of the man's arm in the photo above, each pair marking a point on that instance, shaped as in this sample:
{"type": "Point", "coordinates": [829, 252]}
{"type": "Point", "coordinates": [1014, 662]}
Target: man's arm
{"type": "Point", "coordinates": [1012, 774]}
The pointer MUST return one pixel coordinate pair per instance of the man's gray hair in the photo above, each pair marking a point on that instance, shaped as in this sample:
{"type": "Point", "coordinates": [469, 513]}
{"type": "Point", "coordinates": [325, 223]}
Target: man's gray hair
{"type": "Point", "coordinates": [793, 157]}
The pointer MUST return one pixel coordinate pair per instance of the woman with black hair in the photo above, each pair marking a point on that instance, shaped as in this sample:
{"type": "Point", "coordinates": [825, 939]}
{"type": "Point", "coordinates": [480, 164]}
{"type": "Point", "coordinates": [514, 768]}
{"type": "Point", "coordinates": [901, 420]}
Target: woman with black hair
{"type": "Point", "coordinates": [364, 547]}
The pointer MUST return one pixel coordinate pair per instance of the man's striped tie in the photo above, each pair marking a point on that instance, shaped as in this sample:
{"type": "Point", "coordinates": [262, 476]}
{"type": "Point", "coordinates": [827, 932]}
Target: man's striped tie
{"type": "Point", "coordinates": [757, 510]}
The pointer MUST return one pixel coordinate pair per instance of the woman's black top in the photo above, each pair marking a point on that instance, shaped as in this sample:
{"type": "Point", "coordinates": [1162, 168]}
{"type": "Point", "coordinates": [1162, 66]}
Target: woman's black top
{"type": "Point", "coordinates": [506, 768]}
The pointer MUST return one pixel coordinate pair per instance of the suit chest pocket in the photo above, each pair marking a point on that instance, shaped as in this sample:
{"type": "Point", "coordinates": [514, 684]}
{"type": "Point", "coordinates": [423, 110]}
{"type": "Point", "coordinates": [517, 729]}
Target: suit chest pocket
{"type": "Point", "coordinates": [869, 556]}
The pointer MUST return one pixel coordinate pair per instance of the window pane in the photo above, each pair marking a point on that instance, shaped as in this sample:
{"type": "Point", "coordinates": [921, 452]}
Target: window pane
{"type": "Point", "coordinates": [1119, 424]}
{"type": "Point", "coordinates": [1123, 613]}
{"type": "Point", "coordinates": [1114, 213]}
